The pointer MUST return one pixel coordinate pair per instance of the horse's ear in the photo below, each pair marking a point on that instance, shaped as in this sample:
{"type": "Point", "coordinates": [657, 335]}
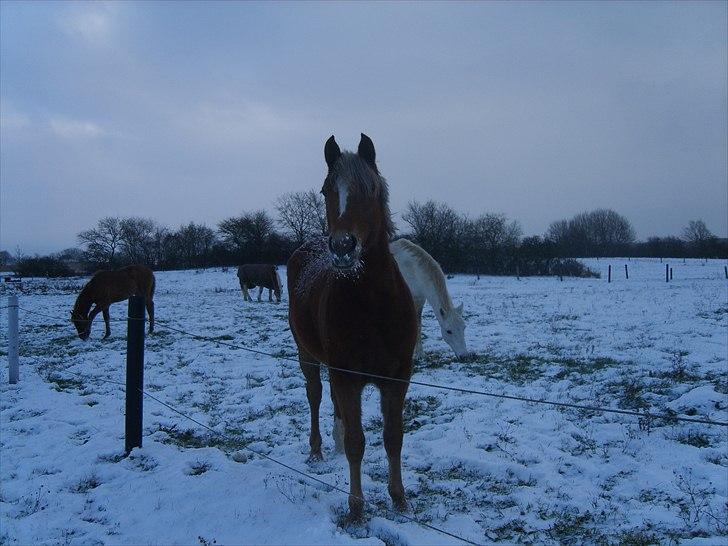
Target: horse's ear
{"type": "Point", "coordinates": [332, 152]}
{"type": "Point", "coordinates": [367, 153]}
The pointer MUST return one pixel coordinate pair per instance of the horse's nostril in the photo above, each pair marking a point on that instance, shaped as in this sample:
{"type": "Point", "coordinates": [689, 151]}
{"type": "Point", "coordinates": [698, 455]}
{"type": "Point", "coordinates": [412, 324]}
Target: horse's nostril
{"type": "Point", "coordinates": [342, 244]}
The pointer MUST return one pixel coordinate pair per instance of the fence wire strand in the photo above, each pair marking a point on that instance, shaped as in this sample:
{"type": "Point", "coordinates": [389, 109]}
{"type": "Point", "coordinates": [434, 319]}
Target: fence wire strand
{"type": "Point", "coordinates": [643, 414]}
{"type": "Point", "coordinates": [268, 457]}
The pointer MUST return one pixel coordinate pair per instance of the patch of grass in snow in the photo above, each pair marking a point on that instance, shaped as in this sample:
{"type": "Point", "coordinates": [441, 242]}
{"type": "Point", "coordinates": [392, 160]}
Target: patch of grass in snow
{"type": "Point", "coordinates": [638, 537]}
{"type": "Point", "coordinates": [198, 468]}
{"type": "Point", "coordinates": [693, 438]}
{"type": "Point", "coordinates": [629, 393]}
{"type": "Point", "coordinates": [574, 368]}
{"type": "Point", "coordinates": [574, 527]}
{"type": "Point", "coordinates": [417, 412]}
{"type": "Point", "coordinates": [86, 484]}
{"type": "Point", "coordinates": [64, 384]}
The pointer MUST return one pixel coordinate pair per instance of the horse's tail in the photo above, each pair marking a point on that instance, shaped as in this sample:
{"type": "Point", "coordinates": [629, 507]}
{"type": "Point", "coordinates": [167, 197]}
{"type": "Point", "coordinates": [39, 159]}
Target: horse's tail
{"type": "Point", "coordinates": [153, 286]}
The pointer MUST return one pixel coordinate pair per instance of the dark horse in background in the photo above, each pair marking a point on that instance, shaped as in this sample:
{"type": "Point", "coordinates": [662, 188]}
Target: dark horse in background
{"type": "Point", "coordinates": [107, 287]}
{"type": "Point", "coordinates": [351, 309]}
{"type": "Point", "coordinates": [261, 275]}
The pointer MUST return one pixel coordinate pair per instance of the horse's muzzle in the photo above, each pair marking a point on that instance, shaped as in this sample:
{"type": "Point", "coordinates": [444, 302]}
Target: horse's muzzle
{"type": "Point", "coordinates": [344, 250]}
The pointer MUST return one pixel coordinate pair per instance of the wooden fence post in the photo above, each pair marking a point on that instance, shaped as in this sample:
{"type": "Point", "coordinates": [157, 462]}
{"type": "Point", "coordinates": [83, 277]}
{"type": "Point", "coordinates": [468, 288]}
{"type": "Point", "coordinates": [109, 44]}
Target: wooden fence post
{"type": "Point", "coordinates": [725, 270]}
{"type": "Point", "coordinates": [667, 272]}
{"type": "Point", "coordinates": [626, 272]}
{"type": "Point", "coordinates": [671, 273]}
{"type": "Point", "coordinates": [13, 342]}
{"type": "Point", "coordinates": [134, 373]}
{"type": "Point", "coordinates": [609, 274]}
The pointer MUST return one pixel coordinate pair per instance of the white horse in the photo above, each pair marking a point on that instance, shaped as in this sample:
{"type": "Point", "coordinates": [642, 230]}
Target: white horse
{"type": "Point", "coordinates": [426, 281]}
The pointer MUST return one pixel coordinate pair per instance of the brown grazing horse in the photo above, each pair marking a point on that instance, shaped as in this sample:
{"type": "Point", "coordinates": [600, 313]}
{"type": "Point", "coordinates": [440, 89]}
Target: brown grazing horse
{"type": "Point", "coordinates": [350, 309]}
{"type": "Point", "coordinates": [107, 287]}
{"type": "Point", "coordinates": [262, 276]}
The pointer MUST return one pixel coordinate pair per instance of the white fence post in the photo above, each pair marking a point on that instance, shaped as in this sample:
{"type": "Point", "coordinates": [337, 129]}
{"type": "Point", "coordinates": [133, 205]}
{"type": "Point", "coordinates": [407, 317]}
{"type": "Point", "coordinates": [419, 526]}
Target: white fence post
{"type": "Point", "coordinates": [13, 338]}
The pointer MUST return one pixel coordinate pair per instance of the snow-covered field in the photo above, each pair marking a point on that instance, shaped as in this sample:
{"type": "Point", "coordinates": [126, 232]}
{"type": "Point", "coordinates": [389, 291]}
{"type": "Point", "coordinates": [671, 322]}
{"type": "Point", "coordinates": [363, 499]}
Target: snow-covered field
{"type": "Point", "coordinates": [486, 469]}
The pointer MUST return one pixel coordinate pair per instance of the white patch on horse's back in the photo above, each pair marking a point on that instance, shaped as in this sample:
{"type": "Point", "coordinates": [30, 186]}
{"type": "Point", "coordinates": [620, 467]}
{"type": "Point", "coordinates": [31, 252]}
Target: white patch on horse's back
{"type": "Point", "coordinates": [343, 189]}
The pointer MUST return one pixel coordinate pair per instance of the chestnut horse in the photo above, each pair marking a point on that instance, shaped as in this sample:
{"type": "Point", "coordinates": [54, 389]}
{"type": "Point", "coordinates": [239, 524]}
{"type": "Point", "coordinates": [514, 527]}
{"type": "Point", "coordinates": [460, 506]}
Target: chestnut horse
{"type": "Point", "coordinates": [107, 287]}
{"type": "Point", "coordinates": [350, 308]}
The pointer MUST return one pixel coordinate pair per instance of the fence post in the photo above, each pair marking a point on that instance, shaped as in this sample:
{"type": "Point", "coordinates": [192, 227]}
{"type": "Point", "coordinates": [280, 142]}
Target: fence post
{"type": "Point", "coordinates": [725, 270]}
{"type": "Point", "coordinates": [609, 274]}
{"type": "Point", "coordinates": [626, 272]}
{"type": "Point", "coordinates": [667, 272]}
{"type": "Point", "coordinates": [13, 342]}
{"type": "Point", "coordinates": [671, 273]}
{"type": "Point", "coordinates": [134, 373]}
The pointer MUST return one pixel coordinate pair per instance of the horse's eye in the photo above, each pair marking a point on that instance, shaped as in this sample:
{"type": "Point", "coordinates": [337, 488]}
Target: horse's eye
{"type": "Point", "coordinates": [449, 332]}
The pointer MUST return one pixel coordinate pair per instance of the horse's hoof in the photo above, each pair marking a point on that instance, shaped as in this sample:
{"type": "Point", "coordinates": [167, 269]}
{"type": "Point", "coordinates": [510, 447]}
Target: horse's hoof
{"type": "Point", "coordinates": [315, 457]}
{"type": "Point", "coordinates": [356, 508]}
{"type": "Point", "coordinates": [400, 503]}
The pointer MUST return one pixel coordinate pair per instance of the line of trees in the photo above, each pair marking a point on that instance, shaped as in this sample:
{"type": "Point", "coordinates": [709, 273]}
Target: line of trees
{"type": "Point", "coordinates": [486, 244]}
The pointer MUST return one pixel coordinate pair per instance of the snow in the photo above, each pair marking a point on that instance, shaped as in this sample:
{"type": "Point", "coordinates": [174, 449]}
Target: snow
{"type": "Point", "coordinates": [485, 469]}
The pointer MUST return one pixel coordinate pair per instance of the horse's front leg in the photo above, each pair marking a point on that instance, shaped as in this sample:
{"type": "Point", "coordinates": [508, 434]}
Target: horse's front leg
{"type": "Point", "coordinates": [419, 305]}
{"type": "Point", "coordinates": [312, 373]}
{"type": "Point", "coordinates": [91, 316]}
{"type": "Point", "coordinates": [347, 391]}
{"type": "Point", "coordinates": [270, 295]}
{"type": "Point", "coordinates": [392, 403]}
{"type": "Point", "coordinates": [260, 292]}
{"type": "Point", "coordinates": [107, 321]}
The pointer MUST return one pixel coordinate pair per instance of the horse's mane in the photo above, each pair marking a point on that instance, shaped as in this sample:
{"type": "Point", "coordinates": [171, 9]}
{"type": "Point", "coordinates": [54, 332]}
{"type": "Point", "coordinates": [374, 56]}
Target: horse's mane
{"type": "Point", "coordinates": [364, 180]}
{"type": "Point", "coordinates": [431, 268]}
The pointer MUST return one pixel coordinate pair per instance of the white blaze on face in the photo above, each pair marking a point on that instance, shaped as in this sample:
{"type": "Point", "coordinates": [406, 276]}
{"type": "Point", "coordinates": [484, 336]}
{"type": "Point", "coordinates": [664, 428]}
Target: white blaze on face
{"type": "Point", "coordinates": [343, 189]}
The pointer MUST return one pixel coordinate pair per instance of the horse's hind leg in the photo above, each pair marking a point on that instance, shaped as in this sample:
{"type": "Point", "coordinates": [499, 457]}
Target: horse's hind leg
{"type": "Point", "coordinates": [312, 373]}
{"type": "Point", "coordinates": [392, 402]}
{"type": "Point", "coordinates": [107, 321]}
{"type": "Point", "coordinates": [270, 295]}
{"type": "Point", "coordinates": [260, 292]}
{"type": "Point", "coordinates": [338, 430]}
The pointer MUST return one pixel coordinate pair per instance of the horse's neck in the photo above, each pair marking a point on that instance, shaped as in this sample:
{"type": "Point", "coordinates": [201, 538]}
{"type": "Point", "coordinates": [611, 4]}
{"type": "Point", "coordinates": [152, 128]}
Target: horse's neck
{"type": "Point", "coordinates": [427, 285]}
{"type": "Point", "coordinates": [84, 301]}
{"type": "Point", "coordinates": [436, 294]}
{"type": "Point", "coordinates": [377, 260]}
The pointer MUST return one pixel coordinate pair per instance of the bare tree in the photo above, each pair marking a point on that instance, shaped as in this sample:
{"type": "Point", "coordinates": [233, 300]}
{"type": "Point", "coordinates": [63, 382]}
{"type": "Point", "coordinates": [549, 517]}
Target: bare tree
{"type": "Point", "coordinates": [302, 215]}
{"type": "Point", "coordinates": [103, 242]}
{"type": "Point", "coordinates": [248, 235]}
{"type": "Point", "coordinates": [601, 232]}
{"type": "Point", "coordinates": [142, 241]}
{"type": "Point", "coordinates": [191, 245]}
{"type": "Point", "coordinates": [700, 238]}
{"type": "Point", "coordinates": [438, 229]}
{"type": "Point", "coordinates": [696, 232]}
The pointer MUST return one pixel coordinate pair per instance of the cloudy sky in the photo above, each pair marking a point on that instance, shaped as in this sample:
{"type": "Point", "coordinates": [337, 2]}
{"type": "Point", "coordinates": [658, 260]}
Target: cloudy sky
{"type": "Point", "coordinates": [194, 112]}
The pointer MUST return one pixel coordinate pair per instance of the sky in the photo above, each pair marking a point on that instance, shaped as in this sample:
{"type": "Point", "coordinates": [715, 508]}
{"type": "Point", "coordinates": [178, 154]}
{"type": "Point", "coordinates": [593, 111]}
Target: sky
{"type": "Point", "coordinates": [196, 112]}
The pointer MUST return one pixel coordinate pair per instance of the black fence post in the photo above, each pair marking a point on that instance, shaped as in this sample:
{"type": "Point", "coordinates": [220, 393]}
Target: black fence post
{"type": "Point", "coordinates": [609, 274]}
{"type": "Point", "coordinates": [626, 272]}
{"type": "Point", "coordinates": [671, 273]}
{"type": "Point", "coordinates": [134, 373]}
{"type": "Point", "coordinates": [725, 270]}
{"type": "Point", "coordinates": [667, 272]}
